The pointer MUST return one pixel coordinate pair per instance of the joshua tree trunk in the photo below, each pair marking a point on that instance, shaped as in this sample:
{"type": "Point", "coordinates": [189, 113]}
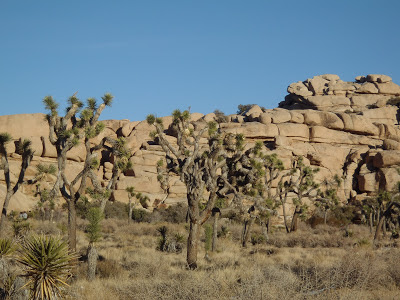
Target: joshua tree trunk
{"type": "Point", "coordinates": [370, 222]}
{"type": "Point", "coordinates": [72, 225]}
{"type": "Point", "coordinates": [384, 228]}
{"type": "Point", "coordinates": [325, 216]}
{"type": "Point", "coordinates": [246, 231]}
{"type": "Point", "coordinates": [285, 217]}
{"type": "Point", "coordinates": [92, 261]}
{"type": "Point", "coordinates": [130, 211]}
{"type": "Point", "coordinates": [295, 218]}
{"type": "Point", "coordinates": [3, 220]}
{"type": "Point", "coordinates": [51, 215]}
{"type": "Point", "coordinates": [192, 244]}
{"type": "Point", "coordinates": [378, 231]}
{"type": "Point", "coordinates": [265, 229]}
{"type": "Point", "coordinates": [215, 232]}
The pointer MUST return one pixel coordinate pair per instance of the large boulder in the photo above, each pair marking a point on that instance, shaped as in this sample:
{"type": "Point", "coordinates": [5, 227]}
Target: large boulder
{"type": "Point", "coordinates": [389, 177]}
{"type": "Point", "coordinates": [378, 78]}
{"type": "Point", "coordinates": [387, 158]}
{"type": "Point", "coordinates": [321, 134]}
{"type": "Point", "coordinates": [368, 88]}
{"type": "Point", "coordinates": [386, 115]}
{"type": "Point", "coordinates": [27, 125]}
{"type": "Point", "coordinates": [389, 88]}
{"type": "Point", "coordinates": [329, 102]}
{"type": "Point", "coordinates": [322, 118]}
{"type": "Point", "coordinates": [358, 124]}
{"type": "Point", "coordinates": [280, 116]}
{"type": "Point", "coordinates": [297, 131]}
{"type": "Point", "coordinates": [317, 85]}
{"type": "Point", "coordinates": [298, 88]}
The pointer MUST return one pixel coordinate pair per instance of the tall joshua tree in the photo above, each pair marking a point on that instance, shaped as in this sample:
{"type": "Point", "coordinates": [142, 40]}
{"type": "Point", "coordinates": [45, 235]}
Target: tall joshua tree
{"type": "Point", "coordinates": [65, 133]}
{"type": "Point", "coordinates": [200, 167]}
{"type": "Point", "coordinates": [24, 148]}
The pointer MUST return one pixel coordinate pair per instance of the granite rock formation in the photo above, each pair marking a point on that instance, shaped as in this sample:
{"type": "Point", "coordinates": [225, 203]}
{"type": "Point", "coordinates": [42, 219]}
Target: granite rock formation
{"type": "Point", "coordinates": [348, 129]}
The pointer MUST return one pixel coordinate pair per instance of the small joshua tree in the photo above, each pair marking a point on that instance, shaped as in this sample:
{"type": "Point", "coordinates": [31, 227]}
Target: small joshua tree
{"type": "Point", "coordinates": [302, 184]}
{"type": "Point", "coordinates": [47, 264]}
{"type": "Point", "coordinates": [93, 231]}
{"type": "Point", "coordinates": [143, 200]}
{"type": "Point", "coordinates": [327, 200]}
{"type": "Point", "coordinates": [131, 193]}
{"type": "Point", "coordinates": [43, 171]}
{"type": "Point", "coordinates": [24, 148]}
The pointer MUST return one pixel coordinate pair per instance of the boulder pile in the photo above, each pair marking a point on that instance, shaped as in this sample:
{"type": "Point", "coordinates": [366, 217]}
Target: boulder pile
{"type": "Point", "coordinates": [348, 129]}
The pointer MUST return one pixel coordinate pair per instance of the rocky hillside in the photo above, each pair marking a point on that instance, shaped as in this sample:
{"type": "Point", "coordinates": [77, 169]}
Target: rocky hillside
{"type": "Point", "coordinates": [348, 129]}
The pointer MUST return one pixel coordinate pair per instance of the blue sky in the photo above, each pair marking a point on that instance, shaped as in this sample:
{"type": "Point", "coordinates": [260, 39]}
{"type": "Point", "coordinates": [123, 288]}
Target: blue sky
{"type": "Point", "coordinates": [158, 55]}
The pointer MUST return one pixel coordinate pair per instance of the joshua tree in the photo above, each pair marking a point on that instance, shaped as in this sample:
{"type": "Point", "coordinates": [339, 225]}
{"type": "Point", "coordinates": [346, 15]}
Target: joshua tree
{"type": "Point", "coordinates": [47, 264]}
{"type": "Point", "coordinates": [389, 206]}
{"type": "Point", "coordinates": [131, 193]}
{"type": "Point", "coordinates": [300, 183]}
{"type": "Point", "coordinates": [327, 199]}
{"type": "Point", "coordinates": [200, 167]}
{"type": "Point", "coordinates": [42, 173]}
{"type": "Point", "coordinates": [24, 149]}
{"type": "Point", "coordinates": [94, 217]}
{"type": "Point", "coordinates": [65, 133]}
{"type": "Point", "coordinates": [268, 170]}
{"type": "Point", "coordinates": [143, 200]}
{"type": "Point", "coordinates": [121, 155]}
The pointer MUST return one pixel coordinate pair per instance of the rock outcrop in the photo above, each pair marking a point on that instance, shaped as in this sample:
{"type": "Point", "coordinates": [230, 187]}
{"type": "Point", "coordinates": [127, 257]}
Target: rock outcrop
{"type": "Point", "coordinates": [348, 129]}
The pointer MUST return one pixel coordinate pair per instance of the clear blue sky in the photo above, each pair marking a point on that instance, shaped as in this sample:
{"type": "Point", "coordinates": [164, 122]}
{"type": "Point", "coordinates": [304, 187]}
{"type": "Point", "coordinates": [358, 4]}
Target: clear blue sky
{"type": "Point", "coordinates": [158, 55]}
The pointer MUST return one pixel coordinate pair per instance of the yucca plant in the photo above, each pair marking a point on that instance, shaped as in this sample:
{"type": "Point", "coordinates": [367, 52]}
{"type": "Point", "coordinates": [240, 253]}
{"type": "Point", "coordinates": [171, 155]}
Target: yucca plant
{"type": "Point", "coordinates": [47, 265]}
{"type": "Point", "coordinates": [7, 278]}
{"type": "Point", "coordinates": [6, 247]}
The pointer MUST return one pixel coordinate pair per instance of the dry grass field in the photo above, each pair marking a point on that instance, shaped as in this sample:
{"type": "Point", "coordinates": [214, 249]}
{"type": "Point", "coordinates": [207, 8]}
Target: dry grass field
{"type": "Point", "coordinates": [321, 263]}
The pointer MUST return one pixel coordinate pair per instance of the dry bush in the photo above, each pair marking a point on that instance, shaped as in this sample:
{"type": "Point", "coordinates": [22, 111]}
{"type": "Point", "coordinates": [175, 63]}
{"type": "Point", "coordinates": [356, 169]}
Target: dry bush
{"type": "Point", "coordinates": [108, 268]}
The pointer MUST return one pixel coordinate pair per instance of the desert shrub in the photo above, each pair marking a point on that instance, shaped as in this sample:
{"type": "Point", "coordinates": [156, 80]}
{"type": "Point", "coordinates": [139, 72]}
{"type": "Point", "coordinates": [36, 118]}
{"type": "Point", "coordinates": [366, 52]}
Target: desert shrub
{"type": "Point", "coordinates": [115, 209]}
{"type": "Point", "coordinates": [167, 243]}
{"type": "Point", "coordinates": [172, 214]}
{"type": "Point", "coordinates": [223, 232]}
{"type": "Point", "coordinates": [256, 239]}
{"type": "Point", "coordinates": [109, 226]}
{"type": "Point", "coordinates": [82, 207]}
{"type": "Point", "coordinates": [342, 215]}
{"type": "Point", "coordinates": [21, 228]}
{"type": "Point", "coordinates": [220, 116]}
{"type": "Point", "coordinates": [140, 215]}
{"type": "Point", "coordinates": [47, 228]}
{"type": "Point", "coordinates": [108, 268]}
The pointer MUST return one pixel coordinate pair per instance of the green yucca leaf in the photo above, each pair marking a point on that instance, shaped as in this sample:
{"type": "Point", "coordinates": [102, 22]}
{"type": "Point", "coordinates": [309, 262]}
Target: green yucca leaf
{"type": "Point", "coordinates": [5, 138]}
{"type": "Point", "coordinates": [150, 119]}
{"type": "Point", "coordinates": [47, 263]}
{"type": "Point", "coordinates": [107, 99]}
{"type": "Point", "coordinates": [7, 247]}
{"type": "Point", "coordinates": [50, 104]}
{"type": "Point", "coordinates": [91, 103]}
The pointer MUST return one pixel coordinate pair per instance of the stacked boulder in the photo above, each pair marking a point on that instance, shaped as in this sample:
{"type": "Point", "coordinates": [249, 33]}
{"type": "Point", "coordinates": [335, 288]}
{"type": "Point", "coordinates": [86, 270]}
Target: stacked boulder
{"type": "Point", "coordinates": [348, 129]}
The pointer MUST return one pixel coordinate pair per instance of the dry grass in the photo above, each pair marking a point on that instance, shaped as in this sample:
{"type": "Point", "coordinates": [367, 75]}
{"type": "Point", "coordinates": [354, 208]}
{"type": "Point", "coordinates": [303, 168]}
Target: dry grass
{"type": "Point", "coordinates": [321, 263]}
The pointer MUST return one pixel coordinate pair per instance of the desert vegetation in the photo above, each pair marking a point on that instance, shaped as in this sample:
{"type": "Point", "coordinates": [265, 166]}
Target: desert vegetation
{"type": "Point", "coordinates": [135, 261]}
{"type": "Point", "coordinates": [252, 225]}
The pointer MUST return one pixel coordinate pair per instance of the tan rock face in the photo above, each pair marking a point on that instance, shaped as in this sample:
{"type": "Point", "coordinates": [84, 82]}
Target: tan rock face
{"type": "Point", "coordinates": [322, 118]}
{"type": "Point", "coordinates": [335, 125]}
